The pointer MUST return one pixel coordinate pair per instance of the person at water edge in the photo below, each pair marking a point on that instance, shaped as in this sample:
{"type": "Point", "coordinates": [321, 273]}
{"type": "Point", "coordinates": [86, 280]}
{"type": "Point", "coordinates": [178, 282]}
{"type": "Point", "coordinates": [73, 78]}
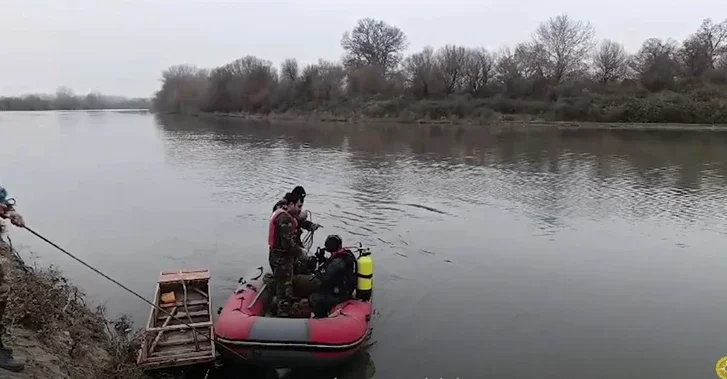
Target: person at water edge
{"type": "Point", "coordinates": [284, 250]}
{"type": "Point", "coordinates": [6, 354]}
{"type": "Point", "coordinates": [335, 280]}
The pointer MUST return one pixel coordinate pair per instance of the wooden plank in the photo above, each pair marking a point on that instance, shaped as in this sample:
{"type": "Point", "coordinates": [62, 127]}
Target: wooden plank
{"type": "Point", "coordinates": [189, 303]}
{"type": "Point", "coordinates": [202, 356]}
{"type": "Point", "coordinates": [183, 340]}
{"type": "Point", "coordinates": [159, 335]}
{"type": "Point", "coordinates": [183, 315]}
{"type": "Point", "coordinates": [186, 275]}
{"type": "Point", "coordinates": [182, 326]}
{"type": "Point", "coordinates": [181, 351]}
{"type": "Point", "coordinates": [177, 361]}
{"type": "Point", "coordinates": [153, 311]}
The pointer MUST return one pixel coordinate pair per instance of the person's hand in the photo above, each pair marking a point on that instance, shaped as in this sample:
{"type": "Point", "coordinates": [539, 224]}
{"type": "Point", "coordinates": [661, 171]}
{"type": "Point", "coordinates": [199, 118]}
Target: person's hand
{"type": "Point", "coordinates": [15, 218]}
{"type": "Point", "coordinates": [315, 227]}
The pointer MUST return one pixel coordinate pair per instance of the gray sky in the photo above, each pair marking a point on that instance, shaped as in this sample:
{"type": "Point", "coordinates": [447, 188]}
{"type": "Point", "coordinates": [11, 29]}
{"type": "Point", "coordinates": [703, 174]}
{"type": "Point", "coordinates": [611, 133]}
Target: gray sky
{"type": "Point", "coordinates": [120, 47]}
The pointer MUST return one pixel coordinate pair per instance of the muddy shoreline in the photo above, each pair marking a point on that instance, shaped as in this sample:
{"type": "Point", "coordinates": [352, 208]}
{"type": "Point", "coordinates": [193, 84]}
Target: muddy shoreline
{"type": "Point", "coordinates": [495, 124]}
{"type": "Point", "coordinates": [56, 333]}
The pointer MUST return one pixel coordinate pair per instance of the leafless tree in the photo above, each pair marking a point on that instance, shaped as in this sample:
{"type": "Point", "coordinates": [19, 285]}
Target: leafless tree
{"type": "Point", "coordinates": [374, 43]}
{"type": "Point", "coordinates": [451, 60]}
{"type": "Point", "coordinates": [420, 69]}
{"type": "Point", "coordinates": [713, 37]}
{"type": "Point", "coordinates": [323, 81]}
{"type": "Point", "coordinates": [656, 64]}
{"type": "Point", "coordinates": [610, 62]}
{"type": "Point", "coordinates": [701, 50]}
{"type": "Point", "coordinates": [245, 84]}
{"type": "Point", "coordinates": [532, 60]}
{"type": "Point", "coordinates": [507, 67]}
{"type": "Point", "coordinates": [289, 70]}
{"type": "Point", "coordinates": [184, 89]}
{"type": "Point", "coordinates": [367, 80]}
{"type": "Point", "coordinates": [566, 44]}
{"type": "Point", "coordinates": [694, 57]}
{"type": "Point", "coordinates": [721, 62]}
{"type": "Point", "coordinates": [478, 69]}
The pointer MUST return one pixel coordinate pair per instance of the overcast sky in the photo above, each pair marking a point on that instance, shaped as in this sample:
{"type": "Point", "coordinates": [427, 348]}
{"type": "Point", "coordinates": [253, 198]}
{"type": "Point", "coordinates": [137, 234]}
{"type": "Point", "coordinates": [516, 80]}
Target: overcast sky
{"type": "Point", "coordinates": [120, 47]}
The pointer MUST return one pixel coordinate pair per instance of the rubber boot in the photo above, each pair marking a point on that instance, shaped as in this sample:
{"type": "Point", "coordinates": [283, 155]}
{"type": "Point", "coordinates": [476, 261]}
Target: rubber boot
{"type": "Point", "coordinates": [6, 360]}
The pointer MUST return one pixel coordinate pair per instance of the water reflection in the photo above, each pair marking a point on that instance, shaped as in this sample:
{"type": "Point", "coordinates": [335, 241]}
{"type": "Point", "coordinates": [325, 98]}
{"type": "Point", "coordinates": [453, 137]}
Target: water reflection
{"type": "Point", "coordinates": [492, 247]}
{"type": "Point", "coordinates": [554, 173]}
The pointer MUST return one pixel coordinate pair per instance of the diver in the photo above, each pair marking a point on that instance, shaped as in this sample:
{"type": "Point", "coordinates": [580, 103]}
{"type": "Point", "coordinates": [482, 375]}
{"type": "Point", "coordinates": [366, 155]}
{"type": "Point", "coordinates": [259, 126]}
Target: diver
{"type": "Point", "coordinates": [335, 281]}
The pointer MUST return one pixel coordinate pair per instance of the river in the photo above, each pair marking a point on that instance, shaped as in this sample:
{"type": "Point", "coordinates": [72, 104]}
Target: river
{"type": "Point", "coordinates": [512, 254]}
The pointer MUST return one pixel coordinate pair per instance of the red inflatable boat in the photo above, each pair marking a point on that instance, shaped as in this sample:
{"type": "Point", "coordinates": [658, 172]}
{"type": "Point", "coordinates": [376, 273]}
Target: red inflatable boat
{"type": "Point", "coordinates": [287, 342]}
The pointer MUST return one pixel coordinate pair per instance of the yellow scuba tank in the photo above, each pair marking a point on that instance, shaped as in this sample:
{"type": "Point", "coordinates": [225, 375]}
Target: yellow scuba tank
{"type": "Point", "coordinates": [365, 275]}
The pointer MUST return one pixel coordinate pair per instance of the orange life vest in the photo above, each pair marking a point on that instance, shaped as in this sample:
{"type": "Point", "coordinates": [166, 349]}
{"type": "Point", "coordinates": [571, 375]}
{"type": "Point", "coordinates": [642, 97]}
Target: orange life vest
{"type": "Point", "coordinates": [272, 237]}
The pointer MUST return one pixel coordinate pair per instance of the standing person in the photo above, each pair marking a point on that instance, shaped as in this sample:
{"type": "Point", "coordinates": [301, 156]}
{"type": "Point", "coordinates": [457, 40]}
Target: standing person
{"type": "Point", "coordinates": [297, 191]}
{"type": "Point", "coordinates": [6, 354]}
{"type": "Point", "coordinates": [284, 250]}
{"type": "Point", "coordinates": [303, 223]}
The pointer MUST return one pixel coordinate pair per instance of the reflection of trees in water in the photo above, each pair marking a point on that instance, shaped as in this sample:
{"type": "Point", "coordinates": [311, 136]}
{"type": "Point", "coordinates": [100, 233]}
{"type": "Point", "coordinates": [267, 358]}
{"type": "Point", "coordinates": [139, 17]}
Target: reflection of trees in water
{"type": "Point", "coordinates": [375, 157]}
{"type": "Point", "coordinates": [541, 167]}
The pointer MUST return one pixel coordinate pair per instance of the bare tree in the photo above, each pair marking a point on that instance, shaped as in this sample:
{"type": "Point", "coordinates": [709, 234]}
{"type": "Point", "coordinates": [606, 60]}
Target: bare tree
{"type": "Point", "coordinates": [694, 57]}
{"type": "Point", "coordinates": [451, 60]}
{"type": "Point", "coordinates": [656, 64]}
{"type": "Point", "coordinates": [323, 81]}
{"type": "Point", "coordinates": [532, 60]}
{"type": "Point", "coordinates": [289, 70]}
{"type": "Point", "coordinates": [374, 43]}
{"type": "Point", "coordinates": [721, 62]}
{"type": "Point", "coordinates": [508, 68]}
{"type": "Point", "coordinates": [610, 62]}
{"type": "Point", "coordinates": [566, 44]}
{"type": "Point", "coordinates": [478, 69]}
{"type": "Point", "coordinates": [713, 37]}
{"type": "Point", "coordinates": [184, 90]}
{"type": "Point", "coordinates": [420, 69]}
{"type": "Point", "coordinates": [367, 80]}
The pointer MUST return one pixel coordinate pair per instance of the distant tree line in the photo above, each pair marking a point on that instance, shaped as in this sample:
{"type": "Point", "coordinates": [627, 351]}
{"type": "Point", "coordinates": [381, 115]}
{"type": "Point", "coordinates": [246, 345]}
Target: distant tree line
{"type": "Point", "coordinates": [561, 73]}
{"type": "Point", "coordinates": [65, 99]}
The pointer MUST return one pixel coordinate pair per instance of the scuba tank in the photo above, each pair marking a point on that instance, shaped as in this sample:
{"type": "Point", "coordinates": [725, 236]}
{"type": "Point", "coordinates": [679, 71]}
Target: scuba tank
{"type": "Point", "coordinates": [365, 274]}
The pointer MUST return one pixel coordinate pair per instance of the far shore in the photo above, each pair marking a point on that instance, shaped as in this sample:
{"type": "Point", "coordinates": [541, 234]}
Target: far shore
{"type": "Point", "coordinates": [524, 121]}
{"type": "Point", "coordinates": [76, 110]}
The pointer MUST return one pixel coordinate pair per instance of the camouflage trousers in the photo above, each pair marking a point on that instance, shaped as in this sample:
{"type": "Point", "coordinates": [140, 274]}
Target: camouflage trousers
{"type": "Point", "coordinates": [4, 292]}
{"type": "Point", "coordinates": [283, 267]}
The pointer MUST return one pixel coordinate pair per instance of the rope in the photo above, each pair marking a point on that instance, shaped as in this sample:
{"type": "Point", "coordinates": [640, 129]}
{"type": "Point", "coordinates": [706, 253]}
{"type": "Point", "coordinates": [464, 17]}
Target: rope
{"type": "Point", "coordinates": [18, 259]}
{"type": "Point", "coordinates": [134, 293]}
{"type": "Point", "coordinates": [308, 239]}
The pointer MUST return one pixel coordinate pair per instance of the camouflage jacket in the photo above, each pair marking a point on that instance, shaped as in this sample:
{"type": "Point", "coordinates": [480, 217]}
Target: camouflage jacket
{"type": "Point", "coordinates": [304, 224]}
{"type": "Point", "coordinates": [286, 239]}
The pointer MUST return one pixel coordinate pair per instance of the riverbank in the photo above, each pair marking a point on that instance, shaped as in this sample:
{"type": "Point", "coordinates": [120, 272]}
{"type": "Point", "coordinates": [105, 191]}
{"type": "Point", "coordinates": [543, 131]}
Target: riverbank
{"type": "Point", "coordinates": [513, 122]}
{"type": "Point", "coordinates": [56, 333]}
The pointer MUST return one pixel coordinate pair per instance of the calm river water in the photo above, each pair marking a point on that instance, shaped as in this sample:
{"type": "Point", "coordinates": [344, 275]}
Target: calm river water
{"type": "Point", "coordinates": [549, 254]}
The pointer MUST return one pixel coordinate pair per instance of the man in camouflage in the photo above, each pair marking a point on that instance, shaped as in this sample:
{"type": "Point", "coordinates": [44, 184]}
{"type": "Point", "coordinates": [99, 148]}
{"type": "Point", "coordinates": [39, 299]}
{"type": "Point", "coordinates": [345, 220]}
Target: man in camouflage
{"type": "Point", "coordinates": [301, 263]}
{"type": "Point", "coordinates": [284, 252]}
{"type": "Point", "coordinates": [303, 223]}
{"type": "Point", "coordinates": [6, 354]}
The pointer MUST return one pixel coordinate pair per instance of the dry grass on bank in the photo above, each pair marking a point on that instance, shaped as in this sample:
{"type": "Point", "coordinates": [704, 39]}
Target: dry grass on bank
{"type": "Point", "coordinates": [57, 334]}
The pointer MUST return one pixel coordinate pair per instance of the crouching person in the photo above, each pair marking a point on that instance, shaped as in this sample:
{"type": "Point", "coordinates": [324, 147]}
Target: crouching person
{"type": "Point", "coordinates": [336, 279]}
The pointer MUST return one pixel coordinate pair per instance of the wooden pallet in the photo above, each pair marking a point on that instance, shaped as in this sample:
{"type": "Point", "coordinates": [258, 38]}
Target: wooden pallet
{"type": "Point", "coordinates": [168, 342]}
